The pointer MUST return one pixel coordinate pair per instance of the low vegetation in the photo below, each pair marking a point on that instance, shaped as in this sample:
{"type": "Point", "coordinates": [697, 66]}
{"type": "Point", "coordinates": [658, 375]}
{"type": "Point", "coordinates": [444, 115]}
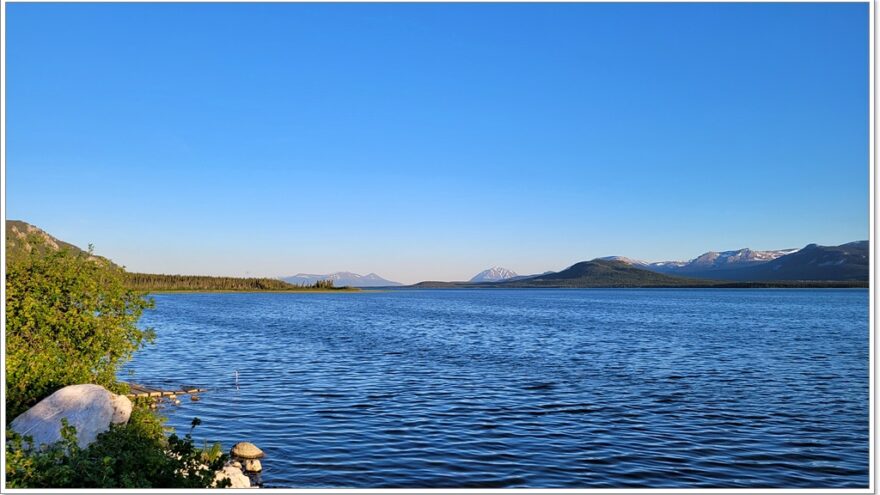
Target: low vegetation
{"type": "Point", "coordinates": [132, 455]}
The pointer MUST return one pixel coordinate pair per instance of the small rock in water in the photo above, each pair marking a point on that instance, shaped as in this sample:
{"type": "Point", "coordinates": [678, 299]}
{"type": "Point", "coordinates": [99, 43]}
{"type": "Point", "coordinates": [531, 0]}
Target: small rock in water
{"type": "Point", "coordinates": [194, 398]}
{"type": "Point", "coordinates": [253, 466]}
{"type": "Point", "coordinates": [246, 450]}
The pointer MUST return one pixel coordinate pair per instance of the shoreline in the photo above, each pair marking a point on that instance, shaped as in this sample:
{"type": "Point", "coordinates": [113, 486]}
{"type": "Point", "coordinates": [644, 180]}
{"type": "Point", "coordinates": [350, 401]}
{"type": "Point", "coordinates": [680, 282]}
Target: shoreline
{"type": "Point", "coordinates": [719, 286]}
{"type": "Point", "coordinates": [368, 290]}
{"type": "Point", "coordinates": [249, 291]}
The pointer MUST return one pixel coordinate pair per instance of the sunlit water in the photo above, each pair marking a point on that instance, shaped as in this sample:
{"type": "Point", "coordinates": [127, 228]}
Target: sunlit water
{"type": "Point", "coordinates": [526, 388]}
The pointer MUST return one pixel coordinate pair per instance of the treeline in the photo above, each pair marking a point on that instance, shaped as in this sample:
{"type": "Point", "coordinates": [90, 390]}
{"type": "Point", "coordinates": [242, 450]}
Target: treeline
{"type": "Point", "coordinates": [320, 284]}
{"type": "Point", "coordinates": [157, 282]}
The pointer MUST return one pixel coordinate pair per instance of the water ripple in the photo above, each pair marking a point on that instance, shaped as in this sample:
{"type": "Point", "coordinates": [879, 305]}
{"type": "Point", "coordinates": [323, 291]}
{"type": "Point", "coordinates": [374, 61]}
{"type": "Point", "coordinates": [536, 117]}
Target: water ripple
{"type": "Point", "coordinates": [547, 388]}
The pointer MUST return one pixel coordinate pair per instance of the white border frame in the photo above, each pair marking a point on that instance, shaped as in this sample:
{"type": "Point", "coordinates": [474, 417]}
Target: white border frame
{"type": "Point", "coordinates": [871, 290]}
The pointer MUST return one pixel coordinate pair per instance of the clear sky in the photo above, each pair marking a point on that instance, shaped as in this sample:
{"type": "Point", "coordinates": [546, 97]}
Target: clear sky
{"type": "Point", "coordinates": [431, 141]}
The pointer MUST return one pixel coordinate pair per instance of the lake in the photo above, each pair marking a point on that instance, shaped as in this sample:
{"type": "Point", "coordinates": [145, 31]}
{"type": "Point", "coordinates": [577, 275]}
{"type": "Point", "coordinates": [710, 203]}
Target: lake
{"type": "Point", "coordinates": [526, 388]}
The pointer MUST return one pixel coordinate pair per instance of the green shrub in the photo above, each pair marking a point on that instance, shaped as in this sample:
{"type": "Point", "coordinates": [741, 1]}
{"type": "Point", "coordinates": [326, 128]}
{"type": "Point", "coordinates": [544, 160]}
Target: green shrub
{"type": "Point", "coordinates": [69, 319]}
{"type": "Point", "coordinates": [132, 455]}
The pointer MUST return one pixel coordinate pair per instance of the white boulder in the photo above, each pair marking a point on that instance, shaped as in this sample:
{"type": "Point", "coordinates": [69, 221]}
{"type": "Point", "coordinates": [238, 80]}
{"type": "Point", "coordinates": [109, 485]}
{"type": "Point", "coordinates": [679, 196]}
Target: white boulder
{"type": "Point", "coordinates": [89, 408]}
{"type": "Point", "coordinates": [235, 476]}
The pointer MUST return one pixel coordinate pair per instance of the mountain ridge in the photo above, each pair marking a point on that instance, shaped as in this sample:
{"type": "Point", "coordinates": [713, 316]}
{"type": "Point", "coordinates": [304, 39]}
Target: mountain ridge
{"type": "Point", "coordinates": [720, 260]}
{"type": "Point", "coordinates": [846, 265]}
{"type": "Point", "coordinates": [847, 261]}
{"type": "Point", "coordinates": [494, 274]}
{"type": "Point", "coordinates": [605, 273]}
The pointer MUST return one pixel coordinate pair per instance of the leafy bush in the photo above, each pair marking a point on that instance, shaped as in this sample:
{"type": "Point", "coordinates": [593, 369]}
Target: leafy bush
{"type": "Point", "coordinates": [69, 319]}
{"type": "Point", "coordinates": [132, 455]}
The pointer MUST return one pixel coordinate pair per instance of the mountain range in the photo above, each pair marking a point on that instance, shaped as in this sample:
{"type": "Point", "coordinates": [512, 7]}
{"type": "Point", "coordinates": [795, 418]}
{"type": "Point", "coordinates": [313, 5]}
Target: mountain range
{"type": "Point", "coordinates": [594, 273]}
{"type": "Point", "coordinates": [812, 265]}
{"type": "Point", "coordinates": [712, 260]}
{"type": "Point", "coordinates": [813, 262]}
{"type": "Point", "coordinates": [342, 279]}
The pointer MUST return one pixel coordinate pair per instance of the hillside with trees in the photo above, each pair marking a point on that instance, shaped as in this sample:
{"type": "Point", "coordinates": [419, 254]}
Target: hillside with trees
{"type": "Point", "coordinates": [25, 241]}
{"type": "Point", "coordinates": [605, 273]}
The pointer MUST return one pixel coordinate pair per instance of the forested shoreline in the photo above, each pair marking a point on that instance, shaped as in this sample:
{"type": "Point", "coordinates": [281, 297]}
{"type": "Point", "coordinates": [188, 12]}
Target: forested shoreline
{"type": "Point", "coordinates": [151, 282]}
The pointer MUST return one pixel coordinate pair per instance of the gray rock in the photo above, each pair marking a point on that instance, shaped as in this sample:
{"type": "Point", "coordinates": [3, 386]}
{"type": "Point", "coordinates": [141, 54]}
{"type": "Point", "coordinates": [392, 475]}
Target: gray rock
{"type": "Point", "coordinates": [89, 408]}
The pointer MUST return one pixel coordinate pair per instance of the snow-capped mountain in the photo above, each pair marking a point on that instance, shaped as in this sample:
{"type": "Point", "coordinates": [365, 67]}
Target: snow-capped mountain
{"type": "Point", "coordinates": [707, 262]}
{"type": "Point", "coordinates": [848, 261]}
{"type": "Point", "coordinates": [341, 279]}
{"type": "Point", "coordinates": [493, 274]}
{"type": "Point", "coordinates": [723, 260]}
{"type": "Point", "coordinates": [813, 262]}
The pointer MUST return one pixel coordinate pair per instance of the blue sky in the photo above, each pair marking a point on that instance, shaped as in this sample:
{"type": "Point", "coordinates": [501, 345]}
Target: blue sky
{"type": "Point", "coordinates": [431, 141]}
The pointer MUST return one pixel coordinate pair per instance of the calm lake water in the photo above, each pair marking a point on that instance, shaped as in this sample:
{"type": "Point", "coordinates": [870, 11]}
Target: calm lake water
{"type": "Point", "coordinates": [526, 388]}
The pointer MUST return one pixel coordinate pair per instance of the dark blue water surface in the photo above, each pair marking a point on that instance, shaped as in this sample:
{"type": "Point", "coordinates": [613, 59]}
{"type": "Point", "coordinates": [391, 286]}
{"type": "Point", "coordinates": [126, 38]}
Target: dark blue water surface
{"type": "Point", "coordinates": [526, 388]}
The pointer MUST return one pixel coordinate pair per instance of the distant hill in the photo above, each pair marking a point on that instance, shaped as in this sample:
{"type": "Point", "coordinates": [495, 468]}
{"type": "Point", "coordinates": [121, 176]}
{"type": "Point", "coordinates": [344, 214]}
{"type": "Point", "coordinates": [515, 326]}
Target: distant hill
{"type": "Point", "coordinates": [595, 273]}
{"type": "Point", "coordinates": [342, 279]}
{"type": "Point", "coordinates": [613, 273]}
{"type": "Point", "coordinates": [494, 274]}
{"type": "Point", "coordinates": [604, 273]}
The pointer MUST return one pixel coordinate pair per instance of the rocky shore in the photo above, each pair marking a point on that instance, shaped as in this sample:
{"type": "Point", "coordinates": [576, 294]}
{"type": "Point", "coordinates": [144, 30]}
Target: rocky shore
{"type": "Point", "coordinates": [91, 409]}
